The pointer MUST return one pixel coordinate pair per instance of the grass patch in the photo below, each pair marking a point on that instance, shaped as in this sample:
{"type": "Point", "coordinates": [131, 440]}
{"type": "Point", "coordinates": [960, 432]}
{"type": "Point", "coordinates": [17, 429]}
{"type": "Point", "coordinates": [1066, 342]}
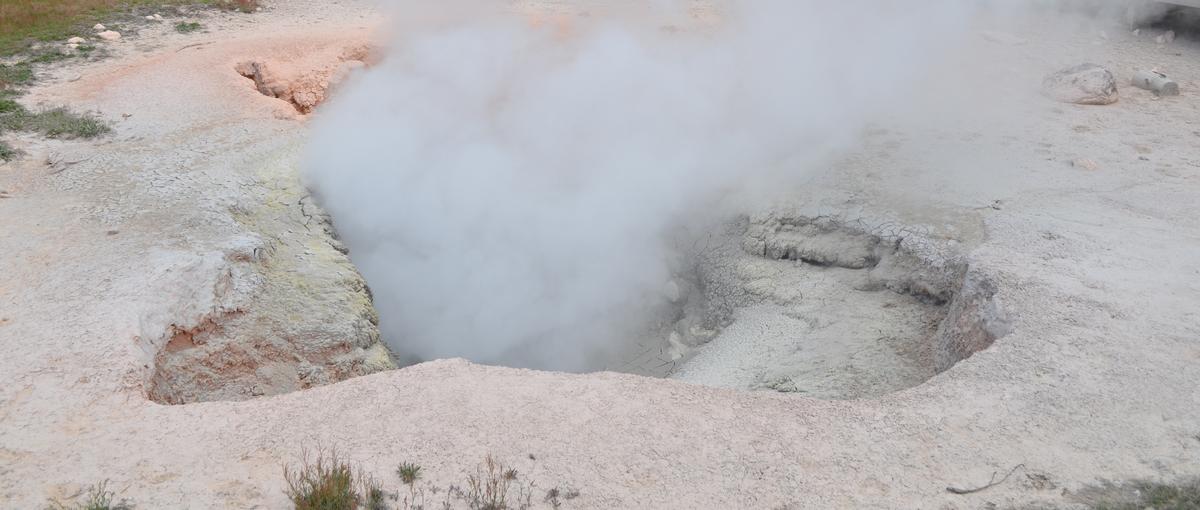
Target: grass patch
{"type": "Point", "coordinates": [58, 122]}
{"type": "Point", "coordinates": [15, 75]}
{"type": "Point", "coordinates": [48, 57]}
{"type": "Point", "coordinates": [98, 498]}
{"type": "Point", "coordinates": [26, 22]}
{"type": "Point", "coordinates": [187, 27]}
{"type": "Point", "coordinates": [1142, 494]}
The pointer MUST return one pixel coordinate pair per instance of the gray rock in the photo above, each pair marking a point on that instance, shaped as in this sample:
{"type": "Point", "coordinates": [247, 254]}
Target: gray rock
{"type": "Point", "coordinates": [1082, 84]}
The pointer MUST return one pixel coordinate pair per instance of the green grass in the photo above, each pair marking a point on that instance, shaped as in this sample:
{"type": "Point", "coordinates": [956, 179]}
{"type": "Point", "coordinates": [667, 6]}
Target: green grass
{"type": "Point", "coordinates": [24, 23]}
{"type": "Point", "coordinates": [187, 28]}
{"type": "Point", "coordinates": [58, 122]}
{"type": "Point", "coordinates": [7, 153]}
{"type": "Point", "coordinates": [15, 75]}
{"type": "Point", "coordinates": [98, 498]}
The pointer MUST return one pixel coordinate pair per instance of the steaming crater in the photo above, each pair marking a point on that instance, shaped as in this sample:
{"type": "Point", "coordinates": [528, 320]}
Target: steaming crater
{"type": "Point", "coordinates": [812, 306]}
{"type": "Point", "coordinates": [507, 186]}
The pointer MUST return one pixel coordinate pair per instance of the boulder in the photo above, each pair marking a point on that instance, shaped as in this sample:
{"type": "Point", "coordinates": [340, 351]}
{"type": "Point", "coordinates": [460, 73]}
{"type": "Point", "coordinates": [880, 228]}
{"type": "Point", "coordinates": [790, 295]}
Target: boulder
{"type": "Point", "coordinates": [1082, 84]}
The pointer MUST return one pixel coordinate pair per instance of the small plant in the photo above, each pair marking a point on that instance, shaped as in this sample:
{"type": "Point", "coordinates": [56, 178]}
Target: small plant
{"type": "Point", "coordinates": [372, 493]}
{"type": "Point", "coordinates": [10, 106]}
{"type": "Point", "coordinates": [326, 482]}
{"type": "Point", "coordinates": [409, 473]}
{"type": "Point", "coordinates": [7, 153]}
{"type": "Point", "coordinates": [187, 27]}
{"type": "Point", "coordinates": [487, 489]}
{"type": "Point", "coordinates": [98, 498]}
{"type": "Point", "coordinates": [556, 496]}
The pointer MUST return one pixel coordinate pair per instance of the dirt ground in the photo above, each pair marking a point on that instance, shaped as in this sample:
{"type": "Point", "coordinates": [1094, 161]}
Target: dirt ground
{"type": "Point", "coordinates": [109, 247]}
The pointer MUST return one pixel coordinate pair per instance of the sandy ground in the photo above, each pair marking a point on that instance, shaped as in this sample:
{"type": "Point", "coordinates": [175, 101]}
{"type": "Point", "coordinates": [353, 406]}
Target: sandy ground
{"type": "Point", "coordinates": [1098, 269]}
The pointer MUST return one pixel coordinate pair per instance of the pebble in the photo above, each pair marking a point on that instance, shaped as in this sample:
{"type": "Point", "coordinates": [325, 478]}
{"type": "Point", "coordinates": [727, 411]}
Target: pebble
{"type": "Point", "coordinates": [99, 28]}
{"type": "Point", "coordinates": [1082, 84]}
{"type": "Point", "coordinates": [1085, 164]}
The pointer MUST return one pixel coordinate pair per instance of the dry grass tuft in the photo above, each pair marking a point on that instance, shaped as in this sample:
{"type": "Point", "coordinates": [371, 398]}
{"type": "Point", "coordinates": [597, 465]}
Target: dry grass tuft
{"type": "Point", "coordinates": [98, 498]}
{"type": "Point", "coordinates": [325, 481]}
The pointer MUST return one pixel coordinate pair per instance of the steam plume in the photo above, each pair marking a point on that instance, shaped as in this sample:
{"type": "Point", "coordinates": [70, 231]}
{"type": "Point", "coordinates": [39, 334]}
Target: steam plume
{"type": "Point", "coordinates": [506, 183]}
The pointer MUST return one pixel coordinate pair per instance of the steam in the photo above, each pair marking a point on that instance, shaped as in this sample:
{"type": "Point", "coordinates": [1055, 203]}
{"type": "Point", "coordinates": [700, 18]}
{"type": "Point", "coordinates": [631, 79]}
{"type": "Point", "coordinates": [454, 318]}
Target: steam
{"type": "Point", "coordinates": [508, 182]}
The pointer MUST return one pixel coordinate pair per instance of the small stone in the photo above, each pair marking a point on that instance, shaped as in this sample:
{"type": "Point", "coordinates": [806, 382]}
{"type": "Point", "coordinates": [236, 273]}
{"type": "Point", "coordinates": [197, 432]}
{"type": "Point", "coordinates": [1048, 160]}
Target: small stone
{"type": "Point", "coordinates": [149, 18]}
{"type": "Point", "coordinates": [1082, 84]}
{"type": "Point", "coordinates": [1166, 37]}
{"type": "Point", "coordinates": [1085, 164]}
{"type": "Point", "coordinates": [109, 35]}
{"type": "Point", "coordinates": [99, 28]}
{"type": "Point", "coordinates": [76, 40]}
{"type": "Point", "coordinates": [158, 17]}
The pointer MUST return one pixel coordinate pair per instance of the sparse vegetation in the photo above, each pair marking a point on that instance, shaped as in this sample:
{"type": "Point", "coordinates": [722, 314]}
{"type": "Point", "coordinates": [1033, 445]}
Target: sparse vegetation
{"type": "Point", "coordinates": [1141, 494]}
{"type": "Point", "coordinates": [58, 122]}
{"type": "Point", "coordinates": [15, 75]}
{"type": "Point", "coordinates": [98, 498]}
{"type": "Point", "coordinates": [556, 496]}
{"type": "Point", "coordinates": [46, 57]}
{"type": "Point", "coordinates": [24, 23]}
{"type": "Point", "coordinates": [488, 488]}
{"type": "Point", "coordinates": [187, 27]}
{"type": "Point", "coordinates": [374, 497]}
{"type": "Point", "coordinates": [409, 473]}
{"type": "Point", "coordinates": [246, 6]}
{"type": "Point", "coordinates": [327, 482]}
{"type": "Point", "coordinates": [7, 153]}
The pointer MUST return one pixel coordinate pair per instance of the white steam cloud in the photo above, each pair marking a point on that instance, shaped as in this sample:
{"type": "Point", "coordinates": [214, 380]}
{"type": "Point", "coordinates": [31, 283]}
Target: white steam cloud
{"type": "Point", "coordinates": [506, 181]}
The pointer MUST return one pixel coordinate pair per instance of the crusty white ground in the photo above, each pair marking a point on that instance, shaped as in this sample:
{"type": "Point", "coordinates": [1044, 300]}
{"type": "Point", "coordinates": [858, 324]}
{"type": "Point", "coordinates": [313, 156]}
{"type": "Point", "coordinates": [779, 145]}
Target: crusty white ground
{"type": "Point", "coordinates": [1100, 271]}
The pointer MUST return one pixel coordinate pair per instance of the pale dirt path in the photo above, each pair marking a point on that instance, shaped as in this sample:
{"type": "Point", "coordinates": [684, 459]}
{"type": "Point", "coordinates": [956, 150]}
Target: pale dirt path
{"type": "Point", "coordinates": [1099, 271]}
